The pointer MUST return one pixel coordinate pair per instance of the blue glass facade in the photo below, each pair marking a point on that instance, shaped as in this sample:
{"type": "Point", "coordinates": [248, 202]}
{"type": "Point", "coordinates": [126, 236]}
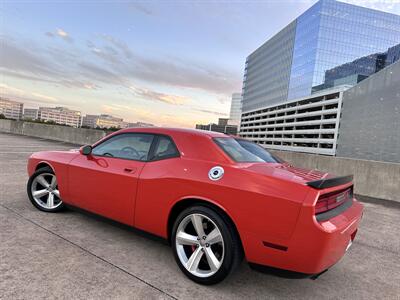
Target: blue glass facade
{"type": "Point", "coordinates": [267, 71]}
{"type": "Point", "coordinates": [344, 33]}
{"type": "Point", "coordinates": [334, 43]}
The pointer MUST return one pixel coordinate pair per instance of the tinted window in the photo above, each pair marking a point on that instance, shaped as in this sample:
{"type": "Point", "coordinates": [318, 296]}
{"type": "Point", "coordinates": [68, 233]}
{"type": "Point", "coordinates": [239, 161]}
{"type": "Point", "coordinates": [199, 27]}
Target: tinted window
{"type": "Point", "coordinates": [165, 148]}
{"type": "Point", "coordinates": [245, 151]}
{"type": "Point", "coordinates": [133, 146]}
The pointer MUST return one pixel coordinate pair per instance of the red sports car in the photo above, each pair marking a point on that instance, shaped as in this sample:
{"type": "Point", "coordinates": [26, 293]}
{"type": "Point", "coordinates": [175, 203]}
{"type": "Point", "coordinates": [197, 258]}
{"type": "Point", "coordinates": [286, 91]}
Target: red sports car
{"type": "Point", "coordinates": [215, 198]}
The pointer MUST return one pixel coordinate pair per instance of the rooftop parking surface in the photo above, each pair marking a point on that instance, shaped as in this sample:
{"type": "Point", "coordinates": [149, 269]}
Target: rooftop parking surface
{"type": "Point", "coordinates": [76, 255]}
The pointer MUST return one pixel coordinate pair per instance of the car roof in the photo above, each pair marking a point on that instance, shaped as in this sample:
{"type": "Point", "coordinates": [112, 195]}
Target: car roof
{"type": "Point", "coordinates": [175, 131]}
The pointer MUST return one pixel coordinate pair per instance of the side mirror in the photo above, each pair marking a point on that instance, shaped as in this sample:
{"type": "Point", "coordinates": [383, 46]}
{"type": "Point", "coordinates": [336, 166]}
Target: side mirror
{"type": "Point", "coordinates": [86, 150]}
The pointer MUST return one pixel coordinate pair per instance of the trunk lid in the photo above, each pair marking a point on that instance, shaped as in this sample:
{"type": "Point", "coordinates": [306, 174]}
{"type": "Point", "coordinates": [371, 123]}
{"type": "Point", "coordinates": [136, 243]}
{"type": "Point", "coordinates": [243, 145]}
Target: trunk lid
{"type": "Point", "coordinates": [286, 171]}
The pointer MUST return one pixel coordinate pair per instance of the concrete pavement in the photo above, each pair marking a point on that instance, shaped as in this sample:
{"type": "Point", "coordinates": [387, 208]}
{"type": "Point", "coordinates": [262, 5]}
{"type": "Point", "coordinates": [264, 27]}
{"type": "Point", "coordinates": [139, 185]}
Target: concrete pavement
{"type": "Point", "coordinates": [73, 255]}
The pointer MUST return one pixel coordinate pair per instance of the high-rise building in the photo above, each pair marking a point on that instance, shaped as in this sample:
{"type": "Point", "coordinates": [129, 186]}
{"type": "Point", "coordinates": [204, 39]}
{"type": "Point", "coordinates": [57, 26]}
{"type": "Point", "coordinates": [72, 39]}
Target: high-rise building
{"type": "Point", "coordinates": [31, 113]}
{"type": "Point", "coordinates": [60, 115]}
{"type": "Point", "coordinates": [294, 63]}
{"type": "Point", "coordinates": [11, 109]}
{"type": "Point", "coordinates": [353, 72]}
{"type": "Point", "coordinates": [236, 109]}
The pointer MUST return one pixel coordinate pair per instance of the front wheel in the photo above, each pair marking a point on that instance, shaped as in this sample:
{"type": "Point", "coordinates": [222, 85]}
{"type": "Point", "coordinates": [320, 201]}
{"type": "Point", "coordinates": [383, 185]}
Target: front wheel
{"type": "Point", "coordinates": [205, 245]}
{"type": "Point", "coordinates": [43, 191]}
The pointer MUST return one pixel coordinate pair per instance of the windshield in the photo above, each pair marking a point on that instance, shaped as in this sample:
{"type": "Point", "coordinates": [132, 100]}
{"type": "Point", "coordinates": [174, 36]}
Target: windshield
{"type": "Point", "coordinates": [245, 151]}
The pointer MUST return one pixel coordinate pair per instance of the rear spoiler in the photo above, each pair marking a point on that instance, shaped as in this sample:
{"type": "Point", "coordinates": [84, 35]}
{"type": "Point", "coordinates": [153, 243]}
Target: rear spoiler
{"type": "Point", "coordinates": [330, 182]}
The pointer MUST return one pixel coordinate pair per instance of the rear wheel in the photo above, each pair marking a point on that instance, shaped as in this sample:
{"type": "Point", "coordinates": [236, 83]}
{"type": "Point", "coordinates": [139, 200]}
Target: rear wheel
{"type": "Point", "coordinates": [205, 245]}
{"type": "Point", "coordinates": [43, 191]}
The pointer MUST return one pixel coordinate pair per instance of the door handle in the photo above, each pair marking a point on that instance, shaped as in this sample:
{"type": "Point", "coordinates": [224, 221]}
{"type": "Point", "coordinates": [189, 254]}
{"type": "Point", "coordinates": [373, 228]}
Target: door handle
{"type": "Point", "coordinates": [130, 170]}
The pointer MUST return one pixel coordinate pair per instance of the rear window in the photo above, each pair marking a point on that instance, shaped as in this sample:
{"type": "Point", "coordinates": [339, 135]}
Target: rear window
{"type": "Point", "coordinates": [245, 151]}
{"type": "Point", "coordinates": [165, 148]}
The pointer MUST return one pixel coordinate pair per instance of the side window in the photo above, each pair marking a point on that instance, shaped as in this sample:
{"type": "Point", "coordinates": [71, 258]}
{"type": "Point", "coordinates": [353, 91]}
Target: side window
{"type": "Point", "coordinates": [133, 146]}
{"type": "Point", "coordinates": [165, 149]}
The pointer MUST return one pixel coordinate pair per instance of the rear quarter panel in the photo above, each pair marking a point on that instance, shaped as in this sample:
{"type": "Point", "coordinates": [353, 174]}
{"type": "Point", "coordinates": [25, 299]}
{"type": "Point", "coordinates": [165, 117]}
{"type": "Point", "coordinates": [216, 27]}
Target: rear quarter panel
{"type": "Point", "coordinates": [258, 205]}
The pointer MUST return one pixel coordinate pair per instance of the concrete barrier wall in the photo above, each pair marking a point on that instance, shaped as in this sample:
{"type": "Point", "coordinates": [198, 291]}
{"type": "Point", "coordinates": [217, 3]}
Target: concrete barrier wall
{"type": "Point", "coordinates": [371, 178]}
{"type": "Point", "coordinates": [80, 136]}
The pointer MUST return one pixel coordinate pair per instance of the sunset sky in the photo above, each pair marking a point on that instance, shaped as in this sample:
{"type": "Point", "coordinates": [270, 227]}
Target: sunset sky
{"type": "Point", "coordinates": [173, 63]}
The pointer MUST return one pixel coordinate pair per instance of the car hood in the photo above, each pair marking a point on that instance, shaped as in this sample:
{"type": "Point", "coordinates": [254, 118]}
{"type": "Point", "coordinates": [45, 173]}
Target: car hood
{"type": "Point", "coordinates": [286, 171]}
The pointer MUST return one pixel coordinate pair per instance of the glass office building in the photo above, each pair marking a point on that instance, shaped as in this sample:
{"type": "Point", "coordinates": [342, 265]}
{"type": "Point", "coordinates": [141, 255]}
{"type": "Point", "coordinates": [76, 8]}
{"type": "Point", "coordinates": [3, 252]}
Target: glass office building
{"type": "Point", "coordinates": [236, 109]}
{"type": "Point", "coordinates": [331, 44]}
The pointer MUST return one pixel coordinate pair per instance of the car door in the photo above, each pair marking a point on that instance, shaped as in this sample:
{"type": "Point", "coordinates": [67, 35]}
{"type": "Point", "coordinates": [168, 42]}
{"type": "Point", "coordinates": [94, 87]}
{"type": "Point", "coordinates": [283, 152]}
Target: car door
{"type": "Point", "coordinates": [158, 186]}
{"type": "Point", "coordinates": [105, 182]}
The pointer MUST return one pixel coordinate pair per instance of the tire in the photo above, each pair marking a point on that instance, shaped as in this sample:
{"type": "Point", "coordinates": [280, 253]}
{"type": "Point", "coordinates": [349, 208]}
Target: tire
{"type": "Point", "coordinates": [42, 189]}
{"type": "Point", "coordinates": [193, 253]}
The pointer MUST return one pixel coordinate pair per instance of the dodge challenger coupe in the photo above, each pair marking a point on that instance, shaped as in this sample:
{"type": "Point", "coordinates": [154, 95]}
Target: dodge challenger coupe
{"type": "Point", "coordinates": [214, 197]}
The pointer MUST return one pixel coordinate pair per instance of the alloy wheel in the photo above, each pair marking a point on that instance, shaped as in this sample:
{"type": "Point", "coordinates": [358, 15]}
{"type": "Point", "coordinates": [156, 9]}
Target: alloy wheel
{"type": "Point", "coordinates": [199, 245]}
{"type": "Point", "coordinates": [44, 190]}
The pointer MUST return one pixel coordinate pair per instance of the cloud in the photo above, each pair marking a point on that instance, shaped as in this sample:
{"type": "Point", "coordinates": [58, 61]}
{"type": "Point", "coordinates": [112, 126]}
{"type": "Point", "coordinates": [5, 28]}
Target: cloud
{"type": "Point", "coordinates": [133, 114]}
{"type": "Point", "coordinates": [60, 33]}
{"type": "Point", "coordinates": [224, 99]}
{"type": "Point", "coordinates": [141, 8]}
{"type": "Point", "coordinates": [44, 97]}
{"type": "Point", "coordinates": [35, 65]}
{"type": "Point", "coordinates": [161, 97]}
{"type": "Point", "coordinates": [19, 94]}
{"type": "Point", "coordinates": [118, 65]}
{"type": "Point", "coordinates": [185, 75]}
{"type": "Point", "coordinates": [101, 74]}
{"type": "Point", "coordinates": [211, 112]}
{"type": "Point", "coordinates": [172, 71]}
{"type": "Point", "coordinates": [5, 88]}
{"type": "Point", "coordinates": [78, 84]}
{"type": "Point", "coordinates": [122, 46]}
{"type": "Point", "coordinates": [107, 54]}
{"type": "Point", "coordinates": [18, 59]}
{"type": "Point", "coordinates": [391, 6]}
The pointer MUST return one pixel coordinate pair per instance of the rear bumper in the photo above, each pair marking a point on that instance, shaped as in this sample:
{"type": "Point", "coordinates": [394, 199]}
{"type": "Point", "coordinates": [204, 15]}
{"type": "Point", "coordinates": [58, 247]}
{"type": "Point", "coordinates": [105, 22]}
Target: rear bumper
{"type": "Point", "coordinates": [314, 246]}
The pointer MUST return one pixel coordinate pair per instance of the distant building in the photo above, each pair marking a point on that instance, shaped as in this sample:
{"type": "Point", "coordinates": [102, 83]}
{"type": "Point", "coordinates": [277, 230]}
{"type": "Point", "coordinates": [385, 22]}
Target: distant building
{"type": "Point", "coordinates": [236, 109]}
{"type": "Point", "coordinates": [138, 124]}
{"type": "Point", "coordinates": [11, 109]}
{"type": "Point", "coordinates": [360, 122]}
{"type": "Point", "coordinates": [309, 124]}
{"type": "Point", "coordinates": [393, 55]}
{"type": "Point", "coordinates": [60, 115]}
{"type": "Point", "coordinates": [304, 88]}
{"type": "Point", "coordinates": [108, 121]}
{"type": "Point", "coordinates": [89, 121]}
{"type": "Point", "coordinates": [31, 113]}
{"type": "Point", "coordinates": [222, 127]}
{"type": "Point", "coordinates": [293, 63]}
{"type": "Point", "coordinates": [223, 121]}
{"type": "Point", "coordinates": [103, 121]}
{"type": "Point", "coordinates": [357, 70]}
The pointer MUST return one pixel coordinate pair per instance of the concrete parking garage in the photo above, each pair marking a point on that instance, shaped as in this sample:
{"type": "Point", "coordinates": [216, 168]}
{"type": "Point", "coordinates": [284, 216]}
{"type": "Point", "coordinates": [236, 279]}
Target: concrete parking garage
{"type": "Point", "coordinates": [75, 255]}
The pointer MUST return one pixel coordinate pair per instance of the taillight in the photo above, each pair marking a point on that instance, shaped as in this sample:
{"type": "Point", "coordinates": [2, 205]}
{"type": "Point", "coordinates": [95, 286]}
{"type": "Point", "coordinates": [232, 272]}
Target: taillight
{"type": "Point", "coordinates": [329, 201]}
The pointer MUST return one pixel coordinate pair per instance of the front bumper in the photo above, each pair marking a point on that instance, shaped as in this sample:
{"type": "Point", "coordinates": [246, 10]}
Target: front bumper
{"type": "Point", "coordinates": [313, 247]}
